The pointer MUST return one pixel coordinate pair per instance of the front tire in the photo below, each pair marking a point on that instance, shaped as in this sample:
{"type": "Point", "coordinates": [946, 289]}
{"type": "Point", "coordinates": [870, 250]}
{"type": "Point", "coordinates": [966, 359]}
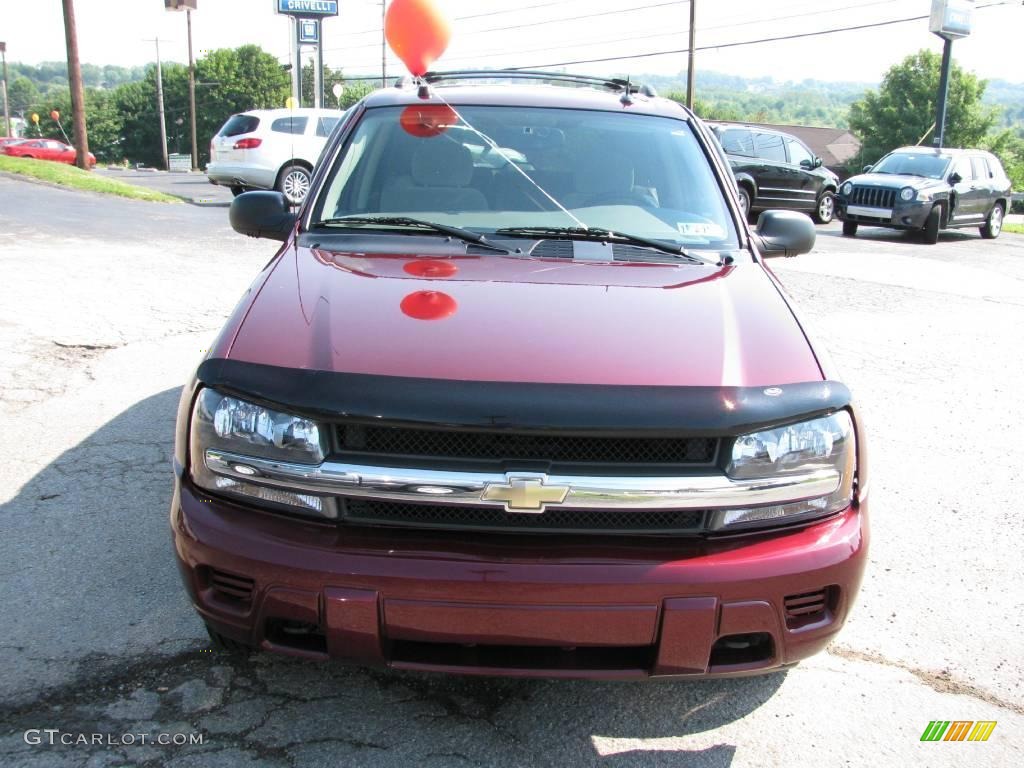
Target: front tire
{"type": "Point", "coordinates": [849, 229]}
{"type": "Point", "coordinates": [932, 225]}
{"type": "Point", "coordinates": [293, 183]}
{"type": "Point", "coordinates": [236, 191]}
{"type": "Point", "coordinates": [993, 224]}
{"type": "Point", "coordinates": [825, 211]}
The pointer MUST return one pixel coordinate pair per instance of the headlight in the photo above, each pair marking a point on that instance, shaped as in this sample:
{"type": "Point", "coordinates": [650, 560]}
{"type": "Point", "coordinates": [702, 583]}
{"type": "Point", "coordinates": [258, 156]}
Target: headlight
{"type": "Point", "coordinates": [823, 447]}
{"type": "Point", "coordinates": [907, 193]}
{"type": "Point", "coordinates": [230, 425]}
{"type": "Point", "coordinates": [847, 188]}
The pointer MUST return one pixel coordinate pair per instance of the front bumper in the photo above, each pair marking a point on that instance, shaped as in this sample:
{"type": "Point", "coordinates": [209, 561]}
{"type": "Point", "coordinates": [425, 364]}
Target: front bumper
{"type": "Point", "coordinates": [552, 606]}
{"type": "Point", "coordinates": [904, 215]}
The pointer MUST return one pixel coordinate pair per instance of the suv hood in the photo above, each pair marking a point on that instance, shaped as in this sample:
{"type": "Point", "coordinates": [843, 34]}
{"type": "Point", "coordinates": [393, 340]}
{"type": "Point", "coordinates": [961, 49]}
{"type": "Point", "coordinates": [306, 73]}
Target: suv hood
{"type": "Point", "coordinates": [896, 181]}
{"type": "Point", "coordinates": [518, 319]}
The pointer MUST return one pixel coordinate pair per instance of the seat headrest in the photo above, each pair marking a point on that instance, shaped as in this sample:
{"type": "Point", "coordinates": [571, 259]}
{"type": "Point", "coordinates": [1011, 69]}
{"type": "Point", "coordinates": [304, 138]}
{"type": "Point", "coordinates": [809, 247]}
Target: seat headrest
{"type": "Point", "coordinates": [612, 173]}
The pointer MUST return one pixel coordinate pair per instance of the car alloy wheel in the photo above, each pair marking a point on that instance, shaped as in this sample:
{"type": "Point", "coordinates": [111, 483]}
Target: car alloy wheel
{"type": "Point", "coordinates": [994, 224]}
{"type": "Point", "coordinates": [295, 183]}
{"type": "Point", "coordinates": [826, 208]}
{"type": "Point", "coordinates": [744, 203]}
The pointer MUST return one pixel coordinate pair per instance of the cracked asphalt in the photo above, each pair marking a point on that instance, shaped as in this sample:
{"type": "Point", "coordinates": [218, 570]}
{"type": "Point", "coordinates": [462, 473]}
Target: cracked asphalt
{"type": "Point", "coordinates": [106, 305]}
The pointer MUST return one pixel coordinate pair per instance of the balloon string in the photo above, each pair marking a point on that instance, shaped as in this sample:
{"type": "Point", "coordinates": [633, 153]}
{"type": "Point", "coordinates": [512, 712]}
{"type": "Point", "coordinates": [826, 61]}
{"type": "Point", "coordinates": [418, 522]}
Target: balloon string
{"type": "Point", "coordinates": [494, 145]}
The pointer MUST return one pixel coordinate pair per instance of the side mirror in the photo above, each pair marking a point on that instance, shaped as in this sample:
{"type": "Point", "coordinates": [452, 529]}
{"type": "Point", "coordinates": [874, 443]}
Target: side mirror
{"type": "Point", "coordinates": [808, 164]}
{"type": "Point", "coordinates": [262, 214]}
{"type": "Point", "coordinates": [955, 178]}
{"type": "Point", "coordinates": [817, 162]}
{"type": "Point", "coordinates": [784, 233]}
{"type": "Point", "coordinates": [867, 169]}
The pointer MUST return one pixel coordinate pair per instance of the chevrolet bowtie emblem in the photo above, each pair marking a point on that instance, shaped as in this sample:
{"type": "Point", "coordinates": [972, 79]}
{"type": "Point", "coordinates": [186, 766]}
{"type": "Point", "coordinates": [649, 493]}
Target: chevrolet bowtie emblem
{"type": "Point", "coordinates": [525, 494]}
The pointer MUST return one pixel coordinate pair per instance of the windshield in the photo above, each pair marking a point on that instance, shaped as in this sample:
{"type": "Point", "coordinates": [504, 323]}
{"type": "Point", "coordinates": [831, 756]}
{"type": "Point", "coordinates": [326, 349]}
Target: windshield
{"type": "Point", "coordinates": [913, 164]}
{"type": "Point", "coordinates": [501, 168]}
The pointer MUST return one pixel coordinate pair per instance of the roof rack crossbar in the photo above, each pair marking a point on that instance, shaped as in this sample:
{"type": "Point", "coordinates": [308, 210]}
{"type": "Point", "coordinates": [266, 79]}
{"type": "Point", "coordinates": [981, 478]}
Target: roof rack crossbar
{"type": "Point", "coordinates": [611, 83]}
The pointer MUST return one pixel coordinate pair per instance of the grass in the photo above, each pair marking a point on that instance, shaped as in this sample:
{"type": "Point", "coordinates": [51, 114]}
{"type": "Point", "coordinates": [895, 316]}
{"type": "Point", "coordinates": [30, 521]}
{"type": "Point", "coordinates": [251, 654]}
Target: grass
{"type": "Point", "coordinates": [1015, 228]}
{"type": "Point", "coordinates": [75, 178]}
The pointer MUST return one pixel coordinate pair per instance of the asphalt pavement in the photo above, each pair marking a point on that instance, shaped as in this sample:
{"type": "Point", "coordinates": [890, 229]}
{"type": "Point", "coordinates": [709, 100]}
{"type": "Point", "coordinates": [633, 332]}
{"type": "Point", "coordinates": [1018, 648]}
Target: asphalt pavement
{"type": "Point", "coordinates": [107, 304]}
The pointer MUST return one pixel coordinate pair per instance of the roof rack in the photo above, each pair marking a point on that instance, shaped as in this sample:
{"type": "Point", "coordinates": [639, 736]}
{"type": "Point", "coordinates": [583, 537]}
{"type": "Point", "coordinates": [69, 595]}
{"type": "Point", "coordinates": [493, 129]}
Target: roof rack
{"type": "Point", "coordinates": [618, 85]}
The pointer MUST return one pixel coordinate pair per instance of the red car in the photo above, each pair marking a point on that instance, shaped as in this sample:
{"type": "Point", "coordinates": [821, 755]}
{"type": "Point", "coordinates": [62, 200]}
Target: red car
{"type": "Point", "coordinates": [518, 395]}
{"type": "Point", "coordinates": [45, 149]}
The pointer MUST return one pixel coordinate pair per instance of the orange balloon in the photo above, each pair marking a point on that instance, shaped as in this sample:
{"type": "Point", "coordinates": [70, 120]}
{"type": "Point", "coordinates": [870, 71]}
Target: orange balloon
{"type": "Point", "coordinates": [426, 120]}
{"type": "Point", "coordinates": [417, 32]}
{"type": "Point", "coordinates": [55, 115]}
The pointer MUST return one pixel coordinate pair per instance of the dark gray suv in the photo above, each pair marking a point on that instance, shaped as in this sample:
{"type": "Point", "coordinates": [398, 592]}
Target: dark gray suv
{"type": "Point", "coordinates": [927, 190]}
{"type": "Point", "coordinates": [776, 170]}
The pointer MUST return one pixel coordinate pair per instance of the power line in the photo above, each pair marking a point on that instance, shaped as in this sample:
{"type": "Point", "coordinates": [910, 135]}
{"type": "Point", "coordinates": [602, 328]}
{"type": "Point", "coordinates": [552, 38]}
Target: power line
{"type": "Point", "coordinates": [720, 46]}
{"type": "Point", "coordinates": [547, 21]}
{"type": "Point", "coordinates": [620, 39]}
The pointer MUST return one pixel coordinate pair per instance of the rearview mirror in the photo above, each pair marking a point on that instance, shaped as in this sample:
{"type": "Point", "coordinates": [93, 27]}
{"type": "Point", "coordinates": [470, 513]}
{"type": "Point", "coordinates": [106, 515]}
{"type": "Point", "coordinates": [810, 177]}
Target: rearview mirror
{"type": "Point", "coordinates": [262, 214]}
{"type": "Point", "coordinates": [784, 233]}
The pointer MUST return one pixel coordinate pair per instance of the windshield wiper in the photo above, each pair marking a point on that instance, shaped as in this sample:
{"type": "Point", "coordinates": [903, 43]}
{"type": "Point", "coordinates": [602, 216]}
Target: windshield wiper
{"type": "Point", "coordinates": [465, 235]}
{"type": "Point", "coordinates": [594, 233]}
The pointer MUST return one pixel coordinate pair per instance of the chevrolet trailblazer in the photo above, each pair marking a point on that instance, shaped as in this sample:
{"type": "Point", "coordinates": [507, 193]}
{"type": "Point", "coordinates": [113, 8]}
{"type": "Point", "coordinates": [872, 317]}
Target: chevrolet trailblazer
{"type": "Point", "coordinates": [519, 395]}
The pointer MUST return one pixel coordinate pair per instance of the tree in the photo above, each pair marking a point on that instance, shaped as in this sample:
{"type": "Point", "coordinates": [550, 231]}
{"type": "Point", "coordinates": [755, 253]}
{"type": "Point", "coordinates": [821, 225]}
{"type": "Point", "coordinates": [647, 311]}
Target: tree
{"type": "Point", "coordinates": [23, 96]}
{"type": "Point", "coordinates": [902, 112]}
{"type": "Point", "coordinates": [228, 81]}
{"type": "Point", "coordinates": [353, 91]}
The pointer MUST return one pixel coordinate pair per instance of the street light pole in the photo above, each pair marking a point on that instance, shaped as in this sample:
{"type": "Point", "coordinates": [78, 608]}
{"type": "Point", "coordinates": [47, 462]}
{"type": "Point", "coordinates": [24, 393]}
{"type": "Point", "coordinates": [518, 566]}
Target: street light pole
{"type": "Point", "coordinates": [160, 104]}
{"type": "Point", "coordinates": [7, 114]}
{"type": "Point", "coordinates": [383, 46]}
{"type": "Point", "coordinates": [77, 91]}
{"type": "Point", "coordinates": [690, 74]}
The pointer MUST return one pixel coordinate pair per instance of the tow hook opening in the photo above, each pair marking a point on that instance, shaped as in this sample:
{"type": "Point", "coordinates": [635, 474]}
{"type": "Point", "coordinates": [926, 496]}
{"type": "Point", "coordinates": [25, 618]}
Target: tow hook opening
{"type": "Point", "coordinates": [746, 649]}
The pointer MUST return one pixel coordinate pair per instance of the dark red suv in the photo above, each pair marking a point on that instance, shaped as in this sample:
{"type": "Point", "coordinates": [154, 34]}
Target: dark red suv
{"type": "Point", "coordinates": [518, 395]}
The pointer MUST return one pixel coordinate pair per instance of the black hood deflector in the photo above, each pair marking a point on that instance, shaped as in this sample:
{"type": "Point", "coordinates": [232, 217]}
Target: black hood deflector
{"type": "Point", "coordinates": [566, 408]}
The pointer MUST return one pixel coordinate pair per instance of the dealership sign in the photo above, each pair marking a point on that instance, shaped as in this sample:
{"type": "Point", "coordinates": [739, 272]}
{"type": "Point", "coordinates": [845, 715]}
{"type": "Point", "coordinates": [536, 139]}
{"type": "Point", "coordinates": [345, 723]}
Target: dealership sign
{"type": "Point", "coordinates": [307, 8]}
{"type": "Point", "coordinates": [951, 19]}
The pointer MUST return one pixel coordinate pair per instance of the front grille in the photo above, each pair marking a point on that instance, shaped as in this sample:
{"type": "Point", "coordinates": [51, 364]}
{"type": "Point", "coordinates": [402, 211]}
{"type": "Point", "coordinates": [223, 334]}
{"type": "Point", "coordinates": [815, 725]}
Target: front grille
{"type": "Point", "coordinates": [553, 519]}
{"type": "Point", "coordinates": [873, 197]}
{"type": "Point", "coordinates": [502, 446]}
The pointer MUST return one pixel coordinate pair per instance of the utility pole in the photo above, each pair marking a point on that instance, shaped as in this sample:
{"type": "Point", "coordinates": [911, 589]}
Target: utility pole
{"type": "Point", "coordinates": [75, 81]}
{"type": "Point", "coordinates": [160, 102]}
{"type": "Point", "coordinates": [192, 92]}
{"type": "Point", "coordinates": [690, 74]}
{"type": "Point", "coordinates": [383, 46]}
{"type": "Point", "coordinates": [7, 114]}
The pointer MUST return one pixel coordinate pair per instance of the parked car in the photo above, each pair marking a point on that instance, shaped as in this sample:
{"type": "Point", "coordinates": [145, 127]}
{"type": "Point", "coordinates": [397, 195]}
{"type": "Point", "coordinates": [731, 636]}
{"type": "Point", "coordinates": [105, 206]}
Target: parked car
{"type": "Point", "coordinates": [518, 395]}
{"type": "Point", "coordinates": [776, 170]}
{"type": "Point", "coordinates": [8, 140]}
{"type": "Point", "coordinates": [928, 190]}
{"type": "Point", "coordinates": [45, 149]}
{"type": "Point", "coordinates": [270, 149]}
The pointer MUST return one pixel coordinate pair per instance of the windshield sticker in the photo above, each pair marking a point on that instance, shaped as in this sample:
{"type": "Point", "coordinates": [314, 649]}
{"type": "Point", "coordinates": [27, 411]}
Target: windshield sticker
{"type": "Point", "coordinates": [702, 229]}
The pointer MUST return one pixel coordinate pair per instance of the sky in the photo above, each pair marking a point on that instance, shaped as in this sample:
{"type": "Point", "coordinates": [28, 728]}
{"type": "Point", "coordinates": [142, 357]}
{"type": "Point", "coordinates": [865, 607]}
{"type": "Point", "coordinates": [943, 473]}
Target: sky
{"type": "Point", "coordinates": [494, 33]}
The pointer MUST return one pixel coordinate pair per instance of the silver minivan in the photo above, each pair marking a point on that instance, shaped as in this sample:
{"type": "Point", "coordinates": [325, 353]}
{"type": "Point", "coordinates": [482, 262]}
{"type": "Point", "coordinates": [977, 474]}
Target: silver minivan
{"type": "Point", "coordinates": [270, 149]}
